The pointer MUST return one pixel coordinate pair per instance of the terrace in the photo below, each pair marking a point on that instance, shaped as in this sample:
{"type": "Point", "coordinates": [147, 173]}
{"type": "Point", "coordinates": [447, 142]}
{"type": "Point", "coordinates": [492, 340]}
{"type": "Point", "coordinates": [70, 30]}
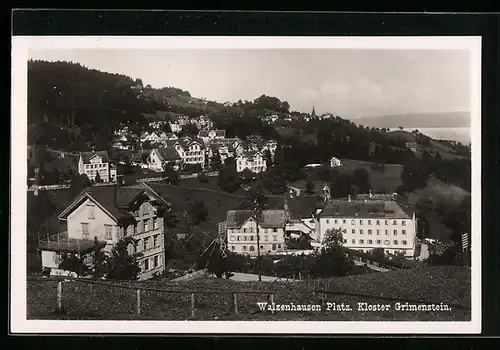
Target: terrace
{"type": "Point", "coordinates": [60, 242]}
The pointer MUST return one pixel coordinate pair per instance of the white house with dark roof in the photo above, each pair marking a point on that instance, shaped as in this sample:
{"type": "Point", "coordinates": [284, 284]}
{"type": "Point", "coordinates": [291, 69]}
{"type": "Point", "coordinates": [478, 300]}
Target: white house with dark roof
{"type": "Point", "coordinates": [159, 158]}
{"type": "Point", "coordinates": [97, 162]}
{"type": "Point", "coordinates": [370, 221]}
{"type": "Point", "coordinates": [107, 214]}
{"type": "Point", "coordinates": [335, 162]}
{"type": "Point", "coordinates": [254, 161]}
{"type": "Point", "coordinates": [241, 231]}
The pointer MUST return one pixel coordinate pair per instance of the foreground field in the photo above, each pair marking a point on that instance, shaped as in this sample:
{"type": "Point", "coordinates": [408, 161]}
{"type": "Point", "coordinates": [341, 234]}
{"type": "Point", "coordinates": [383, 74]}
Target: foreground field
{"type": "Point", "coordinates": [448, 285]}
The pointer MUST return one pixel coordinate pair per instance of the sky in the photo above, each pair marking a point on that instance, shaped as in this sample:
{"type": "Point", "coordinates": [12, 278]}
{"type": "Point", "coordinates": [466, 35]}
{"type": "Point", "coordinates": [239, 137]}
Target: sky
{"type": "Point", "coordinates": [346, 82]}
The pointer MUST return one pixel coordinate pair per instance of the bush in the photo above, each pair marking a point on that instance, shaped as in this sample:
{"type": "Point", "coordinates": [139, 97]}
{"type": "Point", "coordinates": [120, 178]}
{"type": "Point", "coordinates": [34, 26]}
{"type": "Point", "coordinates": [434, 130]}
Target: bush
{"type": "Point", "coordinates": [203, 177]}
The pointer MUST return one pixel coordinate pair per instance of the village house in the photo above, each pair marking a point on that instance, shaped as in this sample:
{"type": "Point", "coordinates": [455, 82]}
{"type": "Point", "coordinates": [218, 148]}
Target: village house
{"type": "Point", "coordinates": [106, 215]}
{"type": "Point", "coordinates": [177, 122]}
{"type": "Point", "coordinates": [210, 135]}
{"type": "Point", "coordinates": [139, 158]}
{"type": "Point", "coordinates": [335, 162]}
{"type": "Point", "coordinates": [300, 214]}
{"type": "Point", "coordinates": [252, 160]}
{"type": "Point", "coordinates": [413, 146]}
{"type": "Point", "coordinates": [191, 150]}
{"type": "Point", "coordinates": [370, 221]}
{"type": "Point", "coordinates": [97, 162]}
{"type": "Point", "coordinates": [202, 122]}
{"type": "Point", "coordinates": [124, 142]}
{"type": "Point", "coordinates": [242, 227]}
{"type": "Point", "coordinates": [160, 158]}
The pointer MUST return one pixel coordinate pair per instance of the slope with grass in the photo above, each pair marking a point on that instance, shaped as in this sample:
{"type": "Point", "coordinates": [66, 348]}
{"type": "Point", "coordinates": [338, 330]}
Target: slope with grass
{"type": "Point", "coordinates": [447, 285]}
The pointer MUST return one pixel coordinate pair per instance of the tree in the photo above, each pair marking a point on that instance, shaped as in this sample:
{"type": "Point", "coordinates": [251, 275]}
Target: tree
{"type": "Point", "coordinates": [97, 178]}
{"type": "Point", "coordinates": [228, 178]}
{"type": "Point", "coordinates": [121, 265]}
{"type": "Point", "coordinates": [378, 254]}
{"type": "Point", "coordinates": [342, 186]}
{"type": "Point", "coordinates": [268, 157]}
{"type": "Point", "coordinates": [309, 186]}
{"type": "Point", "coordinates": [247, 176]}
{"type": "Point", "coordinates": [202, 177]}
{"type": "Point", "coordinates": [171, 176]}
{"type": "Point", "coordinates": [75, 263]}
{"type": "Point", "coordinates": [166, 128]}
{"type": "Point", "coordinates": [216, 161]}
{"type": "Point", "coordinates": [78, 182]}
{"type": "Point", "coordinates": [198, 212]}
{"type": "Point", "coordinates": [415, 174]}
{"type": "Point", "coordinates": [361, 179]}
{"type": "Point", "coordinates": [190, 130]}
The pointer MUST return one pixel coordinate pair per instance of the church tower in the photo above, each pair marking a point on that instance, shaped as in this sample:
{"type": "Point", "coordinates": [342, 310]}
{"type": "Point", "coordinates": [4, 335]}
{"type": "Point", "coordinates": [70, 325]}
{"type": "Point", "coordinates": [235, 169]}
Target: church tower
{"type": "Point", "coordinates": [313, 113]}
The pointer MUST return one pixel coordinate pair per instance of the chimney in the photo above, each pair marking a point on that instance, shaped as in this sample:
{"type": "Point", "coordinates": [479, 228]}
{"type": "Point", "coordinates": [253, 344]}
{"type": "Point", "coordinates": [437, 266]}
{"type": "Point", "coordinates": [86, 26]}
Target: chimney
{"type": "Point", "coordinates": [349, 198]}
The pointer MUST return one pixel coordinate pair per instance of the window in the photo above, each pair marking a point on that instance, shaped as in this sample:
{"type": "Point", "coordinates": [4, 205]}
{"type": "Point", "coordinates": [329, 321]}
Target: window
{"type": "Point", "coordinates": [378, 232]}
{"type": "Point", "coordinates": [231, 238]}
{"type": "Point", "coordinates": [353, 241]}
{"type": "Point", "coordinates": [155, 261]}
{"type": "Point", "coordinates": [369, 222]}
{"type": "Point", "coordinates": [387, 222]}
{"type": "Point", "coordinates": [244, 238]}
{"type": "Point", "coordinates": [369, 231]}
{"type": "Point", "coordinates": [361, 241]}
{"type": "Point", "coordinates": [336, 221]}
{"type": "Point", "coordinates": [352, 222]}
{"type": "Point", "coordinates": [146, 264]}
{"type": "Point", "coordinates": [244, 230]}
{"type": "Point", "coordinates": [233, 247]}
{"type": "Point", "coordinates": [386, 232]}
{"type": "Point", "coordinates": [361, 231]}
{"type": "Point", "coordinates": [378, 241]}
{"type": "Point", "coordinates": [136, 247]}
{"type": "Point", "coordinates": [146, 225]}
{"type": "Point", "coordinates": [361, 222]}
{"type": "Point", "coordinates": [378, 222]}
{"type": "Point", "coordinates": [85, 230]}
{"type": "Point", "coordinates": [251, 230]}
{"type": "Point", "coordinates": [345, 240]}
{"type": "Point", "coordinates": [327, 221]}
{"type": "Point", "coordinates": [146, 243]}
{"type": "Point", "coordinates": [404, 232]}
{"type": "Point", "coordinates": [395, 242]}
{"type": "Point", "coordinates": [261, 247]}
{"type": "Point", "coordinates": [404, 242]}
{"type": "Point", "coordinates": [370, 241]}
{"type": "Point", "coordinates": [91, 210]}
{"type": "Point", "coordinates": [108, 231]}
{"type": "Point", "coordinates": [265, 230]}
{"type": "Point", "coordinates": [238, 238]}
{"type": "Point", "coordinates": [279, 246]}
{"type": "Point", "coordinates": [275, 237]}
{"type": "Point", "coordinates": [252, 248]}
{"type": "Point", "coordinates": [403, 223]}
{"type": "Point", "coordinates": [344, 221]}
{"type": "Point", "coordinates": [395, 222]}
{"type": "Point", "coordinates": [266, 238]}
{"type": "Point", "coordinates": [251, 238]}
{"type": "Point", "coordinates": [353, 231]}
{"type": "Point", "coordinates": [244, 248]}
{"type": "Point", "coordinates": [275, 230]}
{"type": "Point", "coordinates": [274, 246]}
{"type": "Point", "coordinates": [156, 240]}
{"type": "Point", "coordinates": [395, 232]}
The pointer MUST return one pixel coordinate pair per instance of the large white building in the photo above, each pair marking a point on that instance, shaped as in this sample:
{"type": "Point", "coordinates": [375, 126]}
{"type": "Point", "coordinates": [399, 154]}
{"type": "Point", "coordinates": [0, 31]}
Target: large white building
{"type": "Point", "coordinates": [252, 160]}
{"type": "Point", "coordinates": [370, 221]}
{"type": "Point", "coordinates": [97, 162]}
{"type": "Point", "coordinates": [241, 231]}
{"type": "Point", "coordinates": [107, 214]}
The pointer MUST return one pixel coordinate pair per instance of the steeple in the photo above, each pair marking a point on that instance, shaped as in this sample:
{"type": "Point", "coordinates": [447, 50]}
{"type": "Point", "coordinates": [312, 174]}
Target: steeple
{"type": "Point", "coordinates": [313, 113]}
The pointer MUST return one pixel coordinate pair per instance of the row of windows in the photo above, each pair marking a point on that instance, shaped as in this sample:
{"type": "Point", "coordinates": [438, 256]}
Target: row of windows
{"type": "Point", "coordinates": [146, 242]}
{"type": "Point", "coordinates": [361, 222]}
{"type": "Point", "coordinates": [252, 230]}
{"type": "Point", "coordinates": [151, 263]}
{"type": "Point", "coordinates": [370, 231]}
{"type": "Point", "coordinates": [251, 238]}
{"type": "Point", "coordinates": [378, 241]}
{"type": "Point", "coordinates": [194, 160]}
{"type": "Point", "coordinates": [142, 226]}
{"type": "Point", "coordinates": [252, 248]}
{"type": "Point", "coordinates": [95, 166]}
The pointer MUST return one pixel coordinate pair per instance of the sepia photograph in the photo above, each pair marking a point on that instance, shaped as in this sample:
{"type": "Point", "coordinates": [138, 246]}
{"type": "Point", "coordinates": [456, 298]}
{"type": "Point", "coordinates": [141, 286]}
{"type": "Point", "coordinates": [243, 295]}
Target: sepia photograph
{"type": "Point", "coordinates": [244, 185]}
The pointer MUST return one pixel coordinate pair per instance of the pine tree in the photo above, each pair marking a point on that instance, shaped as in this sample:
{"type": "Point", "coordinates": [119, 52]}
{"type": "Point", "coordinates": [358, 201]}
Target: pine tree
{"type": "Point", "coordinates": [121, 265]}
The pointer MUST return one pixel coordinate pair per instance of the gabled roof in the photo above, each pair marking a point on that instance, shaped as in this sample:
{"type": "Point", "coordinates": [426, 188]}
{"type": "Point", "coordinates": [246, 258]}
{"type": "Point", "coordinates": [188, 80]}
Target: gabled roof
{"type": "Point", "coordinates": [167, 154]}
{"type": "Point", "coordinates": [269, 218]}
{"type": "Point", "coordinates": [115, 201]}
{"type": "Point", "coordinates": [250, 154]}
{"type": "Point", "coordinates": [206, 133]}
{"type": "Point", "coordinates": [87, 156]}
{"type": "Point", "coordinates": [302, 207]}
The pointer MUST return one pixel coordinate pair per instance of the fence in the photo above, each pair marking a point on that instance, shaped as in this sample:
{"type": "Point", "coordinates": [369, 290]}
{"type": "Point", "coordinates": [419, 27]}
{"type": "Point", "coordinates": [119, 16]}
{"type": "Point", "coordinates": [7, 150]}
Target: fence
{"type": "Point", "coordinates": [143, 296]}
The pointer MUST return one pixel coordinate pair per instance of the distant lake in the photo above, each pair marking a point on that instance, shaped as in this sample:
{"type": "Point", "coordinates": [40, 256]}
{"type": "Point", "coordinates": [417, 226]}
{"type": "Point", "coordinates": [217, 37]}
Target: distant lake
{"type": "Point", "coordinates": [461, 134]}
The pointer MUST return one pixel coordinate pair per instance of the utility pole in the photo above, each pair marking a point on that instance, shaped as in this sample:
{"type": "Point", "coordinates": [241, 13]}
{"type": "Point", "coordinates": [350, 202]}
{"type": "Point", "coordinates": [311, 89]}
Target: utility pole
{"type": "Point", "coordinates": [257, 216]}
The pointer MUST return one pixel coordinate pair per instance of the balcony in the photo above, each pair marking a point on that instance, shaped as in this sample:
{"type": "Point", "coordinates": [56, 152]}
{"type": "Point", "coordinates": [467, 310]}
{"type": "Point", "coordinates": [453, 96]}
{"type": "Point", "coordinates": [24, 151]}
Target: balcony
{"type": "Point", "coordinates": [60, 242]}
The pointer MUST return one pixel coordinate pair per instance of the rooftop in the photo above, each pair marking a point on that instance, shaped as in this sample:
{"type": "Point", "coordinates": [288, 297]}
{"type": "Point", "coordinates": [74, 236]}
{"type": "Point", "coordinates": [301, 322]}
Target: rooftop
{"type": "Point", "coordinates": [86, 156]}
{"type": "Point", "coordinates": [269, 218]}
{"type": "Point", "coordinates": [373, 208]}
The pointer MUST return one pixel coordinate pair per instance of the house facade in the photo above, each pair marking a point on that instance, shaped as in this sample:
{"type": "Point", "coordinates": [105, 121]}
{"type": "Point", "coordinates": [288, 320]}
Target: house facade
{"type": "Point", "coordinates": [106, 215]}
{"type": "Point", "coordinates": [191, 151]}
{"type": "Point", "coordinates": [335, 162]}
{"type": "Point", "coordinates": [160, 158]}
{"type": "Point", "coordinates": [254, 161]}
{"type": "Point", "coordinates": [242, 227]}
{"type": "Point", "coordinates": [369, 222]}
{"type": "Point", "coordinates": [210, 135]}
{"type": "Point", "coordinates": [97, 162]}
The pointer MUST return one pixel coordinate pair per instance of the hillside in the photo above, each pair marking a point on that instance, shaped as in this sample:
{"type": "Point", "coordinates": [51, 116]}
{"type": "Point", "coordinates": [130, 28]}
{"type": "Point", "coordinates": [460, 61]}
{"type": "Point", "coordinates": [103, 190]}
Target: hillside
{"type": "Point", "coordinates": [417, 120]}
{"type": "Point", "coordinates": [448, 285]}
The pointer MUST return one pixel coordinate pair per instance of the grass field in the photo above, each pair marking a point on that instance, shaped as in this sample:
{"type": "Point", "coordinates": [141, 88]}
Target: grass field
{"type": "Point", "coordinates": [449, 285]}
